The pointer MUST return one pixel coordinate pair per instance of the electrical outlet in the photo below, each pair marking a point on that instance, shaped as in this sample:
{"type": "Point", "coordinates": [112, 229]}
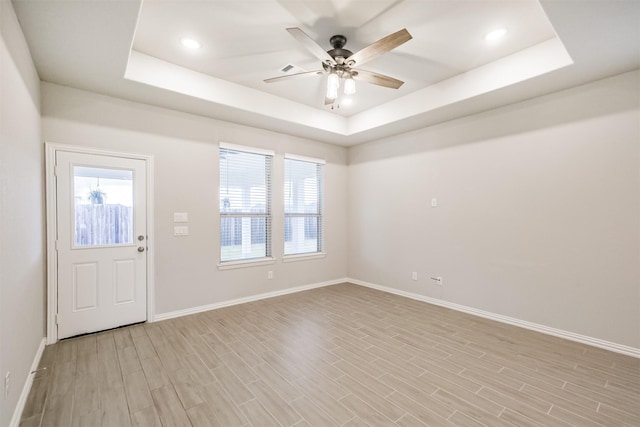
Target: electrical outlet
{"type": "Point", "coordinates": [7, 384]}
{"type": "Point", "coordinates": [270, 275]}
{"type": "Point", "coordinates": [414, 275]}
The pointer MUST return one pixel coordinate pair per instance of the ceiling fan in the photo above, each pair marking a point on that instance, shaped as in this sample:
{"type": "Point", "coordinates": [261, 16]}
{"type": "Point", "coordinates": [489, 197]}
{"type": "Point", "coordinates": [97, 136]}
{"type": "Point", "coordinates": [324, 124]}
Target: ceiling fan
{"type": "Point", "coordinates": [340, 63]}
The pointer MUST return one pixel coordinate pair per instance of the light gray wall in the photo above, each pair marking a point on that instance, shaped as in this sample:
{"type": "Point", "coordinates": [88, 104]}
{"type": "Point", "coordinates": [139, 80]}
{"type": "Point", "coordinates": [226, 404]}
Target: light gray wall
{"type": "Point", "coordinates": [21, 211]}
{"type": "Point", "coordinates": [185, 150]}
{"type": "Point", "coordinates": [538, 213]}
{"type": "Point", "coordinates": [538, 216]}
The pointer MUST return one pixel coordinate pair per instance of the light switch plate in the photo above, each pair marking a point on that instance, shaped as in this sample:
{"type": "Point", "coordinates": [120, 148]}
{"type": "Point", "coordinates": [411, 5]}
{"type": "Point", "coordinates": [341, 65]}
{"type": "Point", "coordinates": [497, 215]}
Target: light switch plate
{"type": "Point", "coordinates": [181, 217]}
{"type": "Point", "coordinates": [181, 230]}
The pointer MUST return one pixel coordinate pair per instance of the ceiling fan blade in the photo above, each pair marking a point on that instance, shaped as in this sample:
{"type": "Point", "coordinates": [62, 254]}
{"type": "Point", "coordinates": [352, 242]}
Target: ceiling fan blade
{"type": "Point", "coordinates": [311, 45]}
{"type": "Point", "coordinates": [377, 79]}
{"type": "Point", "coordinates": [293, 76]}
{"type": "Point", "coordinates": [376, 49]}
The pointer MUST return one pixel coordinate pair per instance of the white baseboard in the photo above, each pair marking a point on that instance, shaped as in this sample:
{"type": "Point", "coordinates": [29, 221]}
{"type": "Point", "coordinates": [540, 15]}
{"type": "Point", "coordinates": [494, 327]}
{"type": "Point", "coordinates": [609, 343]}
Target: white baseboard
{"type": "Point", "coordinates": [17, 413]}
{"type": "Point", "coordinates": [200, 309]}
{"type": "Point", "coordinates": [584, 339]}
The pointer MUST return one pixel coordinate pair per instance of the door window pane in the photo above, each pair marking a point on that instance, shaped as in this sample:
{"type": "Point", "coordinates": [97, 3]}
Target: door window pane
{"type": "Point", "coordinates": [103, 206]}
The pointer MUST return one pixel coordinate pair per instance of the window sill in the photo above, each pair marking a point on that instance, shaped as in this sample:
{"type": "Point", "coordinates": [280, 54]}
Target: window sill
{"type": "Point", "coordinates": [303, 257]}
{"type": "Point", "coordinates": [230, 265]}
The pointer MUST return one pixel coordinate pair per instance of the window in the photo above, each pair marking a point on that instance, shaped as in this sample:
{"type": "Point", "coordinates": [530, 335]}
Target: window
{"type": "Point", "coordinates": [103, 206]}
{"type": "Point", "coordinates": [245, 203]}
{"type": "Point", "coordinates": [303, 221]}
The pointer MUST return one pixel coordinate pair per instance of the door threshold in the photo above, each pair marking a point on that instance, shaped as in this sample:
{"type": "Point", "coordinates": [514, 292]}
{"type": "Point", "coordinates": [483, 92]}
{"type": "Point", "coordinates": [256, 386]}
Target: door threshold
{"type": "Point", "coordinates": [105, 330]}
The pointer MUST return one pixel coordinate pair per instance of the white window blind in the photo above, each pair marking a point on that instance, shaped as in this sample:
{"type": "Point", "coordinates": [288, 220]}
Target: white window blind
{"type": "Point", "coordinates": [303, 196]}
{"type": "Point", "coordinates": [245, 203]}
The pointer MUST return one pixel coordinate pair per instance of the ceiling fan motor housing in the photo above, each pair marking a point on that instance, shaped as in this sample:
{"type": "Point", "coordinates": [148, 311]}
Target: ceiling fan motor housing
{"type": "Point", "coordinates": [338, 42]}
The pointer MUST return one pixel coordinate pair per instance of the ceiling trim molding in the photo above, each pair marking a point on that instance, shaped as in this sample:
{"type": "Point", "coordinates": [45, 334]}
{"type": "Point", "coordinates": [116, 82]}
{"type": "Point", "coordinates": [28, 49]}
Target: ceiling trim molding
{"type": "Point", "coordinates": [526, 64]}
{"type": "Point", "coordinates": [529, 63]}
{"type": "Point", "coordinates": [155, 72]}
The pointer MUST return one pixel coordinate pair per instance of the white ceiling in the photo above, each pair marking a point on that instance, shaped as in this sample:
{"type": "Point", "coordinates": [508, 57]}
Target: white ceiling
{"type": "Point", "coordinates": [131, 49]}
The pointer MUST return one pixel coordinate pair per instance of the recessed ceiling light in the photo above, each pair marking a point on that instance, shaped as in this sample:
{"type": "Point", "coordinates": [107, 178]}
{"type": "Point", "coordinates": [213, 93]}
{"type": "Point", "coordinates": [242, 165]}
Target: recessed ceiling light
{"type": "Point", "coordinates": [495, 34]}
{"type": "Point", "coordinates": [190, 43]}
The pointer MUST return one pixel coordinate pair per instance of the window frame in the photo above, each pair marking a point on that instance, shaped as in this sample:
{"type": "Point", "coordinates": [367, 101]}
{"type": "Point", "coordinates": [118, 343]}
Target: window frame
{"type": "Point", "coordinates": [268, 214]}
{"type": "Point", "coordinates": [320, 215]}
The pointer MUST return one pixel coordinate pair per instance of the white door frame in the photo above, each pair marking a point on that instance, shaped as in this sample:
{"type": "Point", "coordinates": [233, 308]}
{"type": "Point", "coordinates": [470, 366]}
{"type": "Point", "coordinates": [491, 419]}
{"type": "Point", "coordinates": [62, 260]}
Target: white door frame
{"type": "Point", "coordinates": [51, 217]}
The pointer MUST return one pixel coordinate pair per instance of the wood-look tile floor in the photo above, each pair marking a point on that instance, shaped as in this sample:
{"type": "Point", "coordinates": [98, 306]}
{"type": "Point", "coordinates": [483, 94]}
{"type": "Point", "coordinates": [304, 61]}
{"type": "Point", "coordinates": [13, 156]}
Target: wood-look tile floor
{"type": "Point", "coordinates": [342, 355]}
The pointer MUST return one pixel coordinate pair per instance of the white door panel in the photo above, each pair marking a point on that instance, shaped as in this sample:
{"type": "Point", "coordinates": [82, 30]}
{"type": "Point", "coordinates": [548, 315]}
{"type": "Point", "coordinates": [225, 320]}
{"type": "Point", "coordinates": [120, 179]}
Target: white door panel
{"type": "Point", "coordinates": [85, 286]}
{"type": "Point", "coordinates": [101, 242]}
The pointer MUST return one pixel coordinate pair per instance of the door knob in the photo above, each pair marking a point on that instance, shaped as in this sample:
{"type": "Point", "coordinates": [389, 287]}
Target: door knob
{"type": "Point", "coordinates": [140, 248]}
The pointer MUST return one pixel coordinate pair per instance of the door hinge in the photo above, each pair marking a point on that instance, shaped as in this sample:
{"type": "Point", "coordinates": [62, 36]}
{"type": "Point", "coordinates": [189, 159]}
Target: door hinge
{"type": "Point", "coordinates": [57, 323]}
{"type": "Point", "coordinates": [57, 245]}
{"type": "Point", "coordinates": [55, 170]}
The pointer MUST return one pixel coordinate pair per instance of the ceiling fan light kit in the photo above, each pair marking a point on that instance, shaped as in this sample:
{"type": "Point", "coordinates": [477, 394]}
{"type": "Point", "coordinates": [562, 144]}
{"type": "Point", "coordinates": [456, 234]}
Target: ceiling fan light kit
{"type": "Point", "coordinates": [339, 63]}
{"type": "Point", "coordinates": [333, 83]}
{"type": "Point", "coordinates": [349, 85]}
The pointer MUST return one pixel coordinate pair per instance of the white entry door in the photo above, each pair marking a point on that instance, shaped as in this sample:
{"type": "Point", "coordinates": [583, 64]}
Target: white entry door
{"type": "Point", "coordinates": [101, 242]}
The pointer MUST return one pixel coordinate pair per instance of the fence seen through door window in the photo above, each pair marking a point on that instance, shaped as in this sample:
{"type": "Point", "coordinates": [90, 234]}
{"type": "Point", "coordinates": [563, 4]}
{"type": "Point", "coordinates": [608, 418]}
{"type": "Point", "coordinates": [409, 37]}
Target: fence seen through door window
{"type": "Point", "coordinates": [103, 206]}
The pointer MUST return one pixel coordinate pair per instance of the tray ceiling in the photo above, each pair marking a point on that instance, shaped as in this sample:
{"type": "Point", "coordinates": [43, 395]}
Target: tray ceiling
{"type": "Point", "coordinates": [131, 49]}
